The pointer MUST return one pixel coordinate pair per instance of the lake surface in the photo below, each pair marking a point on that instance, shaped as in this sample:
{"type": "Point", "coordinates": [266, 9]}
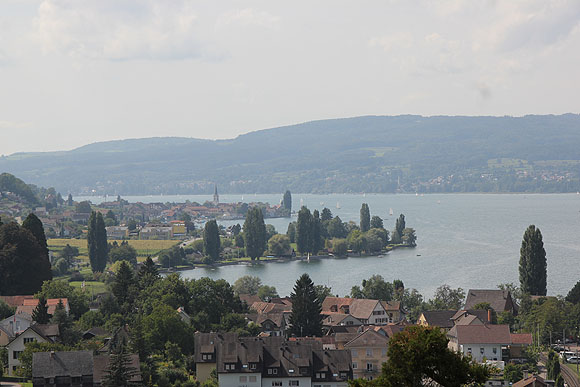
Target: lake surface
{"type": "Point", "coordinates": [464, 240]}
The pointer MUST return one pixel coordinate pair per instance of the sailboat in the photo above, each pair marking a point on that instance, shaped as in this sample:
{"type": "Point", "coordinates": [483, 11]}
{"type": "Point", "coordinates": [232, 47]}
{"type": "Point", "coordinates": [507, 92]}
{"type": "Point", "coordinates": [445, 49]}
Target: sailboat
{"type": "Point", "coordinates": [338, 205]}
{"type": "Point", "coordinates": [390, 212]}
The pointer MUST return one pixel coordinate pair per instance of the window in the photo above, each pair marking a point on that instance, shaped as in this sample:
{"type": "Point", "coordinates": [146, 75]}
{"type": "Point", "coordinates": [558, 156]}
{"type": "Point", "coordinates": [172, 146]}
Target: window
{"type": "Point", "coordinates": [16, 355]}
{"type": "Point", "coordinates": [369, 366]}
{"type": "Point", "coordinates": [369, 352]}
{"type": "Point", "coordinates": [481, 349]}
{"type": "Point", "coordinates": [29, 340]}
{"type": "Point", "coordinates": [252, 379]}
{"type": "Point", "coordinates": [320, 375]}
{"type": "Point", "coordinates": [252, 366]}
{"type": "Point", "coordinates": [243, 379]}
{"type": "Point", "coordinates": [343, 375]}
{"type": "Point", "coordinates": [384, 352]}
{"type": "Point", "coordinates": [229, 366]}
{"type": "Point", "coordinates": [206, 356]}
{"type": "Point", "coordinates": [272, 371]}
{"type": "Point", "coordinates": [354, 366]}
{"type": "Point", "coordinates": [294, 383]}
{"type": "Point", "coordinates": [276, 383]}
{"type": "Point", "coordinates": [494, 349]}
{"type": "Point", "coordinates": [354, 352]}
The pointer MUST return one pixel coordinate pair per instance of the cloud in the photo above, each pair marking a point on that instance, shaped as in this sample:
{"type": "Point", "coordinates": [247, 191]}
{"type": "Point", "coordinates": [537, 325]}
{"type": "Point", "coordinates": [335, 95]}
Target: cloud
{"type": "Point", "coordinates": [119, 29]}
{"type": "Point", "coordinates": [248, 17]}
{"type": "Point", "coordinates": [14, 125]}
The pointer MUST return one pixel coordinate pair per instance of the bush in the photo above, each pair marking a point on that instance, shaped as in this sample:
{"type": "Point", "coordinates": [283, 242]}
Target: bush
{"type": "Point", "coordinates": [339, 247]}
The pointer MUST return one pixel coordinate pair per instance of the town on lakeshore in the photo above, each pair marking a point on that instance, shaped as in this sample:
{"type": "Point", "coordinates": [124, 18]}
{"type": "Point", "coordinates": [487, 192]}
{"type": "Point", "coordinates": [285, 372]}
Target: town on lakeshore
{"type": "Point", "coordinates": [103, 307]}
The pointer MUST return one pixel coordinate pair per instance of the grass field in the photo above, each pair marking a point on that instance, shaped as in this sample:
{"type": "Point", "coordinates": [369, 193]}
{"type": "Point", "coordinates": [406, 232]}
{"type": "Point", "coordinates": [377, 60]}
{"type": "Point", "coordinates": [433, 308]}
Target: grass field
{"type": "Point", "coordinates": [143, 247]}
{"type": "Point", "coordinates": [92, 287]}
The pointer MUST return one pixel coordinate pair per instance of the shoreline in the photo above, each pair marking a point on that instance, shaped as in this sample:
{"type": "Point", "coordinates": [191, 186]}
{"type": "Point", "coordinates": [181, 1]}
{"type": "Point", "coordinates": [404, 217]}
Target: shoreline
{"type": "Point", "coordinates": [277, 260]}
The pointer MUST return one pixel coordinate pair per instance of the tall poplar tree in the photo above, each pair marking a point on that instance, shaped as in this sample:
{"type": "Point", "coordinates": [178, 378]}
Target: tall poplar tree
{"type": "Point", "coordinates": [97, 242]}
{"type": "Point", "coordinates": [533, 265]}
{"type": "Point", "coordinates": [255, 233]}
{"type": "Point", "coordinates": [287, 201]}
{"type": "Point", "coordinates": [211, 240]}
{"type": "Point", "coordinates": [400, 225]}
{"type": "Point", "coordinates": [365, 218]}
{"type": "Point", "coordinates": [316, 242]}
{"type": "Point", "coordinates": [305, 319]}
{"type": "Point", "coordinates": [303, 230]}
{"type": "Point", "coordinates": [34, 225]}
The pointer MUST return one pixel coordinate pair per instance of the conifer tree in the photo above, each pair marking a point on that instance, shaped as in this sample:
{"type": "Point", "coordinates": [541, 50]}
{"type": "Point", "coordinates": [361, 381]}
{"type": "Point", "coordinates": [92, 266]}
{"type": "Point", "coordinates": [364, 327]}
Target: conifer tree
{"type": "Point", "coordinates": [40, 313]}
{"type": "Point", "coordinates": [211, 240]}
{"type": "Point", "coordinates": [119, 372]}
{"type": "Point", "coordinates": [305, 319]}
{"type": "Point", "coordinates": [365, 218]}
{"type": "Point", "coordinates": [533, 265]}
{"type": "Point", "coordinates": [255, 233]}
{"type": "Point", "coordinates": [124, 282]}
{"type": "Point", "coordinates": [148, 274]}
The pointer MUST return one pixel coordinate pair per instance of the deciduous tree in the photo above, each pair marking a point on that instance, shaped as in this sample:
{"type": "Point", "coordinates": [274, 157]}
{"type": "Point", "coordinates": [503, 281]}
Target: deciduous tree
{"type": "Point", "coordinates": [97, 242]}
{"type": "Point", "coordinates": [255, 233]}
{"type": "Point", "coordinates": [533, 265]}
{"type": "Point", "coordinates": [211, 240]}
{"type": "Point", "coordinates": [365, 218]}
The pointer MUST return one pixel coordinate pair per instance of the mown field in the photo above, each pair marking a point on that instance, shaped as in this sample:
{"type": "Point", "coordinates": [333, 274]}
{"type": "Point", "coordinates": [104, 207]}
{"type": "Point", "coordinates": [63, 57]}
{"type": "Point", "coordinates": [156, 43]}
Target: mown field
{"type": "Point", "coordinates": [144, 247]}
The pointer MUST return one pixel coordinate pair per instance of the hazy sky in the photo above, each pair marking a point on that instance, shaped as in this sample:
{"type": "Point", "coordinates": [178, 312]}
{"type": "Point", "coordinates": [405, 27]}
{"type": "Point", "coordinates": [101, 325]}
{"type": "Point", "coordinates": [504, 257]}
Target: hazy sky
{"type": "Point", "coordinates": [76, 71]}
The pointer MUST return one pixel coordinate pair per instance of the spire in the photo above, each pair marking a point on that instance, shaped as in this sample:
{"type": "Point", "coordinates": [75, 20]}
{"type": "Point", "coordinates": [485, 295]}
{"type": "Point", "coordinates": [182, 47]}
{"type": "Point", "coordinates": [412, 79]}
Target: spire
{"type": "Point", "coordinates": [216, 197]}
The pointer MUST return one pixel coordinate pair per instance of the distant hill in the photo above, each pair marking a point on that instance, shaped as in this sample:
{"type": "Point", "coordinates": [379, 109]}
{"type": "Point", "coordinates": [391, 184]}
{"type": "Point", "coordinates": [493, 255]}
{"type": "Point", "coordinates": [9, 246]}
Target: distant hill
{"type": "Point", "coordinates": [362, 154]}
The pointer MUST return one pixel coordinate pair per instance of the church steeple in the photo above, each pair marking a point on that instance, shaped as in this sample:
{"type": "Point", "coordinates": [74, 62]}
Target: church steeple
{"type": "Point", "coordinates": [216, 197]}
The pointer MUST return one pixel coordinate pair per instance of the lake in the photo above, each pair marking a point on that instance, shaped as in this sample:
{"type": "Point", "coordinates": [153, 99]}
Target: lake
{"type": "Point", "coordinates": [464, 240]}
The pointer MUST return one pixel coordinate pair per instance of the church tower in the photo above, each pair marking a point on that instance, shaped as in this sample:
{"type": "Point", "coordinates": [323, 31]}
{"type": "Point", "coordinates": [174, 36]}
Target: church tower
{"type": "Point", "coordinates": [216, 197]}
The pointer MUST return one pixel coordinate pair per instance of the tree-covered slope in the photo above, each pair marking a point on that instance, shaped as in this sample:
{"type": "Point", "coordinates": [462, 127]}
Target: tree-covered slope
{"type": "Point", "coordinates": [372, 154]}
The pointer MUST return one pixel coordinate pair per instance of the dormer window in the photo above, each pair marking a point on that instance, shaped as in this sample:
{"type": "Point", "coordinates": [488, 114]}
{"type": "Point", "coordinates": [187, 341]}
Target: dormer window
{"type": "Point", "coordinates": [320, 375]}
{"type": "Point", "coordinates": [253, 366]}
{"type": "Point", "coordinates": [206, 356]}
{"type": "Point", "coordinates": [272, 371]}
{"type": "Point", "coordinates": [229, 366]}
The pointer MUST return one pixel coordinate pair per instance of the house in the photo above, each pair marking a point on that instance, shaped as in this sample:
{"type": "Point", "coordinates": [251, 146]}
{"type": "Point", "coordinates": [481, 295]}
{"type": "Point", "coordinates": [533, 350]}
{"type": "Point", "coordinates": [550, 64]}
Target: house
{"type": "Point", "coordinates": [482, 342]}
{"type": "Point", "coordinates": [368, 351]}
{"type": "Point", "coordinates": [249, 299]}
{"type": "Point", "coordinates": [472, 317]}
{"type": "Point", "coordinates": [531, 381]}
{"type": "Point", "coordinates": [156, 232]}
{"type": "Point", "coordinates": [437, 318]}
{"type": "Point", "coordinates": [367, 311]}
{"type": "Point", "coordinates": [117, 232]}
{"type": "Point", "coordinates": [395, 311]}
{"type": "Point", "coordinates": [29, 305]}
{"type": "Point", "coordinates": [205, 354]}
{"type": "Point", "coordinates": [334, 319]}
{"type": "Point", "coordinates": [272, 323]}
{"type": "Point", "coordinates": [71, 368]}
{"type": "Point", "coordinates": [519, 343]}
{"type": "Point", "coordinates": [16, 324]}
{"type": "Point", "coordinates": [499, 300]}
{"type": "Point", "coordinates": [39, 333]}
{"type": "Point", "coordinates": [101, 365]}
{"type": "Point", "coordinates": [95, 332]}
{"type": "Point", "coordinates": [5, 336]}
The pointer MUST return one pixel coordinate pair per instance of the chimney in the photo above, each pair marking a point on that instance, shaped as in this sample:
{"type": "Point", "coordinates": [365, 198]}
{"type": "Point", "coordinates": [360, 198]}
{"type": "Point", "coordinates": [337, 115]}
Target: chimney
{"type": "Point", "coordinates": [52, 354]}
{"type": "Point", "coordinates": [489, 315]}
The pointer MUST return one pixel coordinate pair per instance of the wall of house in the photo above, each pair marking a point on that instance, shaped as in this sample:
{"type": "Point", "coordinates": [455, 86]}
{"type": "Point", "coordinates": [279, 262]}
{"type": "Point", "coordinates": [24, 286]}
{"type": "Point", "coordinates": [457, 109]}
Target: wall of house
{"type": "Point", "coordinates": [203, 370]}
{"type": "Point", "coordinates": [233, 379]}
{"type": "Point", "coordinates": [476, 351]}
{"type": "Point", "coordinates": [269, 382]}
{"type": "Point", "coordinates": [377, 357]}
{"type": "Point", "coordinates": [17, 345]}
{"type": "Point", "coordinates": [381, 318]}
{"type": "Point", "coordinates": [4, 339]}
{"type": "Point", "coordinates": [329, 384]}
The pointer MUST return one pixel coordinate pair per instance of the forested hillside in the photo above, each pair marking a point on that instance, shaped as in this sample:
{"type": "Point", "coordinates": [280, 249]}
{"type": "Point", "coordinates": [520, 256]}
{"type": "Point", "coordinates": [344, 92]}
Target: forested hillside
{"type": "Point", "coordinates": [361, 154]}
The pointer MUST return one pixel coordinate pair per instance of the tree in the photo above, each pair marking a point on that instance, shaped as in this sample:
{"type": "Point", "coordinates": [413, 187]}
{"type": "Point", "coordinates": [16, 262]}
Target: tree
{"type": "Point", "coordinates": [69, 253]}
{"type": "Point", "coordinates": [400, 224]}
{"type": "Point", "coordinates": [365, 218]}
{"type": "Point", "coordinates": [123, 252]}
{"type": "Point", "coordinates": [64, 322]}
{"type": "Point", "coordinates": [77, 299]}
{"type": "Point", "coordinates": [291, 232]}
{"type": "Point", "coordinates": [247, 284]}
{"type": "Point", "coordinates": [447, 298]}
{"type": "Point", "coordinates": [119, 373]}
{"type": "Point", "coordinates": [270, 231]}
{"type": "Point", "coordinates": [123, 287]}
{"type": "Point", "coordinates": [316, 243]}
{"type": "Point", "coordinates": [375, 288]}
{"type": "Point", "coordinates": [148, 274]}
{"type": "Point", "coordinates": [279, 245]}
{"type": "Point", "coordinates": [326, 215]}
{"type": "Point", "coordinates": [6, 310]}
{"type": "Point", "coordinates": [40, 313]}
{"type": "Point", "coordinates": [34, 225]}
{"type": "Point", "coordinates": [266, 293]}
{"type": "Point", "coordinates": [255, 233]}
{"type": "Point", "coordinates": [97, 242]}
{"type": "Point", "coordinates": [409, 238]}
{"type": "Point", "coordinates": [574, 294]}
{"type": "Point", "coordinates": [112, 217]}
{"type": "Point", "coordinates": [305, 319]}
{"type": "Point", "coordinates": [323, 291]}
{"type": "Point", "coordinates": [336, 228]}
{"type": "Point", "coordinates": [374, 241]}
{"type": "Point", "coordinates": [419, 356]}
{"type": "Point", "coordinates": [23, 262]}
{"type": "Point", "coordinates": [339, 247]}
{"type": "Point", "coordinates": [513, 373]}
{"type": "Point", "coordinates": [376, 222]}
{"type": "Point", "coordinates": [69, 200]}
{"type": "Point", "coordinates": [83, 207]}
{"type": "Point", "coordinates": [303, 229]}
{"type": "Point", "coordinates": [211, 240]}
{"type": "Point", "coordinates": [287, 202]}
{"type": "Point", "coordinates": [533, 265]}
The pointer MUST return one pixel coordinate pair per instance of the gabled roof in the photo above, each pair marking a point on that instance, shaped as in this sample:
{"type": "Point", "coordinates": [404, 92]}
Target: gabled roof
{"type": "Point", "coordinates": [15, 301]}
{"type": "Point", "coordinates": [266, 307]}
{"type": "Point", "coordinates": [69, 363]}
{"type": "Point", "coordinates": [521, 338]}
{"type": "Point", "coordinates": [392, 306]}
{"type": "Point", "coordinates": [498, 299]}
{"type": "Point", "coordinates": [249, 299]}
{"type": "Point", "coordinates": [393, 329]}
{"type": "Point", "coordinates": [333, 363]}
{"type": "Point", "coordinates": [479, 313]}
{"type": "Point", "coordinates": [333, 319]}
{"type": "Point", "coordinates": [532, 381]}
{"type": "Point", "coordinates": [101, 365]}
{"type": "Point", "coordinates": [368, 338]}
{"type": "Point", "coordinates": [481, 334]}
{"type": "Point", "coordinates": [47, 330]}
{"type": "Point", "coordinates": [359, 308]}
{"type": "Point", "coordinates": [439, 318]}
{"type": "Point", "coordinates": [469, 319]}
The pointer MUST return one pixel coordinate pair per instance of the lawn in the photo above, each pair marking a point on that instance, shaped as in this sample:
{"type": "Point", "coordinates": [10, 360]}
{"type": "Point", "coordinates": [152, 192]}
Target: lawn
{"type": "Point", "coordinates": [144, 247]}
{"type": "Point", "coordinates": [92, 287]}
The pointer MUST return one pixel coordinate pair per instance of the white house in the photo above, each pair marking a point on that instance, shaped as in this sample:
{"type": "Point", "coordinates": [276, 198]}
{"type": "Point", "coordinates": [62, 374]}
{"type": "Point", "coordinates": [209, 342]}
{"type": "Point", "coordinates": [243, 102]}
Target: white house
{"type": "Point", "coordinates": [35, 333]}
{"type": "Point", "coordinates": [16, 323]}
{"type": "Point", "coordinates": [482, 342]}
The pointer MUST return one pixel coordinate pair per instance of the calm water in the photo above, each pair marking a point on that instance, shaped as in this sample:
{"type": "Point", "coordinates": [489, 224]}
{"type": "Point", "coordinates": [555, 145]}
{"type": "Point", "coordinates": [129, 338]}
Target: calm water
{"type": "Point", "coordinates": [464, 240]}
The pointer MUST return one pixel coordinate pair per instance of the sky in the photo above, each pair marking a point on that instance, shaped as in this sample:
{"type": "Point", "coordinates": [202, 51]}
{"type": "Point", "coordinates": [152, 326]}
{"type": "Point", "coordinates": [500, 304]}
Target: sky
{"type": "Point", "coordinates": [73, 72]}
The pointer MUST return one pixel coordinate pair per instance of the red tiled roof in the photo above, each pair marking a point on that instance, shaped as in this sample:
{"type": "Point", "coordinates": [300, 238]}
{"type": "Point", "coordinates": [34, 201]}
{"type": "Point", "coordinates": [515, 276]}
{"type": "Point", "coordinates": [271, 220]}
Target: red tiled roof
{"type": "Point", "coordinates": [521, 338]}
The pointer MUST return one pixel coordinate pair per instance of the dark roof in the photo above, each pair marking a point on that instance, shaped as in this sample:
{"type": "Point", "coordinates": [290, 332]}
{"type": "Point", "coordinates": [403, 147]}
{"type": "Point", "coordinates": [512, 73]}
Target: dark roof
{"type": "Point", "coordinates": [368, 338]}
{"type": "Point", "coordinates": [53, 364]}
{"type": "Point", "coordinates": [521, 338]}
{"type": "Point", "coordinates": [333, 363]}
{"type": "Point", "coordinates": [439, 318]}
{"type": "Point", "coordinates": [499, 300]}
{"type": "Point", "coordinates": [101, 364]}
{"type": "Point", "coordinates": [249, 299]}
{"type": "Point", "coordinates": [46, 330]}
{"type": "Point", "coordinates": [479, 313]}
{"type": "Point", "coordinates": [535, 381]}
{"type": "Point", "coordinates": [481, 334]}
{"type": "Point", "coordinates": [96, 331]}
